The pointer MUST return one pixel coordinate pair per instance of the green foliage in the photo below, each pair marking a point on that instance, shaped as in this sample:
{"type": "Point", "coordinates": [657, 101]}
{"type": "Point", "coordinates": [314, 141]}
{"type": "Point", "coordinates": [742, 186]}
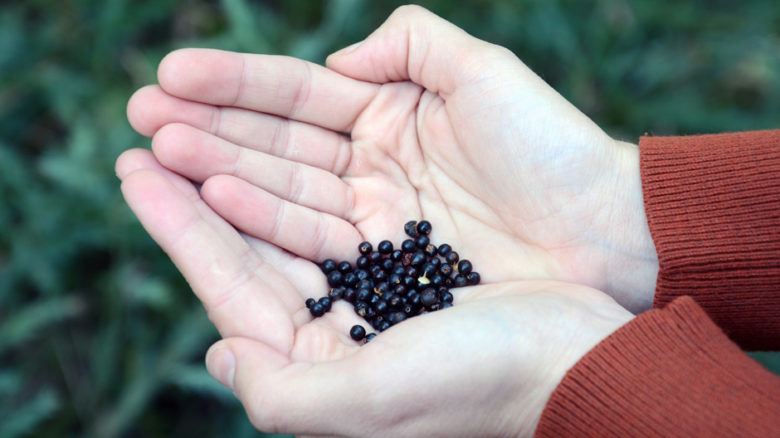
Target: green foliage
{"type": "Point", "coordinates": [99, 335]}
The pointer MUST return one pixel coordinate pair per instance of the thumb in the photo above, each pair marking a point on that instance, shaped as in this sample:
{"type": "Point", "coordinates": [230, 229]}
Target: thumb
{"type": "Point", "coordinates": [280, 396]}
{"type": "Point", "coordinates": [414, 44]}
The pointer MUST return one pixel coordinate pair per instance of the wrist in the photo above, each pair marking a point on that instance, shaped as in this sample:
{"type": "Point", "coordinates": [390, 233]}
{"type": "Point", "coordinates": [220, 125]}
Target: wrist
{"type": "Point", "coordinates": [632, 262]}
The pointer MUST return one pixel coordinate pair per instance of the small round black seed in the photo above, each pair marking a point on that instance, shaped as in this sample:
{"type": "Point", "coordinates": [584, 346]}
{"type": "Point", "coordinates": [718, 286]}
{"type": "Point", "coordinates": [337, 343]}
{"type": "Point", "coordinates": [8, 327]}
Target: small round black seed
{"type": "Point", "coordinates": [395, 301]}
{"type": "Point", "coordinates": [473, 278]}
{"type": "Point", "coordinates": [381, 307]}
{"type": "Point", "coordinates": [399, 270]}
{"type": "Point", "coordinates": [422, 242]}
{"type": "Point", "coordinates": [357, 332]}
{"type": "Point", "coordinates": [364, 284]}
{"type": "Point", "coordinates": [385, 247]}
{"type": "Point", "coordinates": [464, 267]}
{"type": "Point", "coordinates": [362, 262]}
{"type": "Point", "coordinates": [445, 270]}
{"type": "Point", "coordinates": [326, 303]}
{"type": "Point", "coordinates": [430, 250]}
{"type": "Point", "coordinates": [365, 248]}
{"type": "Point", "coordinates": [382, 288]}
{"type": "Point", "coordinates": [428, 297]}
{"type": "Point", "coordinates": [437, 280]}
{"type": "Point", "coordinates": [373, 299]}
{"type": "Point", "coordinates": [327, 266]}
{"type": "Point", "coordinates": [363, 295]}
{"type": "Point", "coordinates": [350, 279]}
{"type": "Point", "coordinates": [384, 326]}
{"type": "Point", "coordinates": [446, 297]}
{"type": "Point", "coordinates": [409, 282]}
{"type": "Point", "coordinates": [375, 258]}
{"type": "Point", "coordinates": [428, 269]}
{"type": "Point", "coordinates": [452, 257]}
{"type": "Point", "coordinates": [410, 228]}
{"type": "Point", "coordinates": [310, 302]}
{"type": "Point", "coordinates": [418, 258]}
{"type": "Point", "coordinates": [345, 267]}
{"type": "Point", "coordinates": [335, 278]}
{"type": "Point", "coordinates": [394, 279]}
{"type": "Point", "coordinates": [362, 274]}
{"type": "Point", "coordinates": [399, 289]}
{"type": "Point", "coordinates": [317, 310]}
{"type": "Point", "coordinates": [396, 317]}
{"type": "Point", "coordinates": [424, 227]}
{"type": "Point", "coordinates": [387, 265]}
{"type": "Point", "coordinates": [408, 246]}
{"type": "Point", "coordinates": [370, 336]}
{"type": "Point", "coordinates": [460, 281]}
{"type": "Point", "coordinates": [349, 295]}
{"type": "Point", "coordinates": [444, 249]}
{"type": "Point", "coordinates": [361, 308]}
{"type": "Point", "coordinates": [396, 255]}
{"type": "Point", "coordinates": [380, 276]}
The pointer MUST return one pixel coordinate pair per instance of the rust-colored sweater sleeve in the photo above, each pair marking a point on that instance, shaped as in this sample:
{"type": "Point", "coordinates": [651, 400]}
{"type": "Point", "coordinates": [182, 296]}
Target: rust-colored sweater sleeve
{"type": "Point", "coordinates": [713, 206]}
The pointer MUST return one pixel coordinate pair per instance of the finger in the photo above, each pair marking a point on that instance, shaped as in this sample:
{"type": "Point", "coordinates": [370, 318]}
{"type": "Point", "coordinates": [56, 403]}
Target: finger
{"type": "Point", "coordinates": [199, 155]}
{"type": "Point", "coordinates": [151, 108]}
{"type": "Point", "coordinates": [231, 281]}
{"type": "Point", "coordinates": [284, 397]}
{"type": "Point", "coordinates": [305, 232]}
{"type": "Point", "coordinates": [281, 267]}
{"type": "Point", "coordinates": [279, 85]}
{"type": "Point", "coordinates": [414, 44]}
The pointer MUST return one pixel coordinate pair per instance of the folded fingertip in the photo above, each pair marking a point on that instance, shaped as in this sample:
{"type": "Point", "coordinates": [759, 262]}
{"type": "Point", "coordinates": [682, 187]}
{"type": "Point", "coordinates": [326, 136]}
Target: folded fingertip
{"type": "Point", "coordinates": [221, 364]}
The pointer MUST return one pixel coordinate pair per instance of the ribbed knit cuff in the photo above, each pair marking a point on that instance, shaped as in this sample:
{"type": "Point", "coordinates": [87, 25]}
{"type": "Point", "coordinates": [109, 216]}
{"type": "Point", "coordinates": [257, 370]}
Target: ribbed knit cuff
{"type": "Point", "coordinates": [668, 372]}
{"type": "Point", "coordinates": [713, 207]}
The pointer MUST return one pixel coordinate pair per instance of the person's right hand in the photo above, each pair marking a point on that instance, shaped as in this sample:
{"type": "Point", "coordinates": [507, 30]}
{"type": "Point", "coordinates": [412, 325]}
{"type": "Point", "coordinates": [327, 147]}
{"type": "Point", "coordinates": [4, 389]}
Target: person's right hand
{"type": "Point", "coordinates": [443, 127]}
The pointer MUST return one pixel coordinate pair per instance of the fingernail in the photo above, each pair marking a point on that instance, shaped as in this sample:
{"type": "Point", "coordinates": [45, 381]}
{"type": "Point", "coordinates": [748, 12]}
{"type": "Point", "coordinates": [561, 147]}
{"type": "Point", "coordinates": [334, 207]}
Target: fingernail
{"type": "Point", "coordinates": [221, 365]}
{"type": "Point", "coordinates": [348, 49]}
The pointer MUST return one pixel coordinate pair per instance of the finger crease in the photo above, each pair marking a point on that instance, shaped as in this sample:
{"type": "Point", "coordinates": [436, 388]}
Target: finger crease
{"type": "Point", "coordinates": [294, 183]}
{"type": "Point", "coordinates": [302, 91]}
{"type": "Point", "coordinates": [319, 238]}
{"type": "Point", "coordinates": [216, 121]}
{"type": "Point", "coordinates": [241, 82]}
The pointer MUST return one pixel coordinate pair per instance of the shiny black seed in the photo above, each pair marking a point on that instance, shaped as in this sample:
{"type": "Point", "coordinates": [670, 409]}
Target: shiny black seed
{"type": "Point", "coordinates": [473, 278]}
{"type": "Point", "coordinates": [317, 310]}
{"type": "Point", "coordinates": [399, 289]}
{"type": "Point", "coordinates": [349, 295]}
{"type": "Point", "coordinates": [357, 332]}
{"type": "Point", "coordinates": [452, 257]}
{"type": "Point", "coordinates": [364, 284]}
{"type": "Point", "coordinates": [375, 258]}
{"type": "Point", "coordinates": [374, 269]}
{"type": "Point", "coordinates": [437, 280]}
{"type": "Point", "coordinates": [327, 266]}
{"type": "Point", "coordinates": [428, 269]}
{"type": "Point", "coordinates": [350, 279]}
{"type": "Point", "coordinates": [381, 307]}
{"type": "Point", "coordinates": [373, 299]}
{"type": "Point", "coordinates": [444, 249]}
{"type": "Point", "coordinates": [464, 267]}
{"type": "Point", "coordinates": [337, 293]}
{"type": "Point", "coordinates": [385, 247]}
{"type": "Point", "coordinates": [410, 228]}
{"type": "Point", "coordinates": [370, 336]}
{"type": "Point", "coordinates": [396, 317]}
{"type": "Point", "coordinates": [362, 274]}
{"type": "Point", "coordinates": [387, 265]}
{"type": "Point", "coordinates": [446, 297]}
{"type": "Point", "coordinates": [411, 271]}
{"type": "Point", "coordinates": [430, 250]}
{"type": "Point", "coordinates": [344, 267]}
{"type": "Point", "coordinates": [460, 281]}
{"type": "Point", "coordinates": [396, 255]}
{"type": "Point", "coordinates": [445, 270]}
{"type": "Point", "coordinates": [424, 227]}
{"type": "Point", "coordinates": [399, 270]}
{"type": "Point", "coordinates": [362, 262]}
{"type": "Point", "coordinates": [445, 306]}
{"type": "Point", "coordinates": [362, 295]}
{"type": "Point", "coordinates": [376, 321]}
{"type": "Point", "coordinates": [335, 278]}
{"type": "Point", "coordinates": [409, 282]}
{"type": "Point", "coordinates": [418, 258]}
{"type": "Point", "coordinates": [428, 297]}
{"type": "Point", "coordinates": [310, 302]}
{"type": "Point", "coordinates": [365, 248]}
{"type": "Point", "coordinates": [384, 326]}
{"type": "Point", "coordinates": [380, 276]}
{"type": "Point", "coordinates": [408, 246]}
{"type": "Point", "coordinates": [435, 306]}
{"type": "Point", "coordinates": [325, 302]}
{"type": "Point", "coordinates": [395, 301]}
{"type": "Point", "coordinates": [422, 242]}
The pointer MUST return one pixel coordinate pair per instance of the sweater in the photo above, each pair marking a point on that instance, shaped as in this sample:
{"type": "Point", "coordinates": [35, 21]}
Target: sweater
{"type": "Point", "coordinates": [713, 208]}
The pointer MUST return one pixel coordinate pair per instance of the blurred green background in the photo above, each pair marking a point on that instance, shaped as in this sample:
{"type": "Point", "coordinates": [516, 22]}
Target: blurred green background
{"type": "Point", "coordinates": [99, 335]}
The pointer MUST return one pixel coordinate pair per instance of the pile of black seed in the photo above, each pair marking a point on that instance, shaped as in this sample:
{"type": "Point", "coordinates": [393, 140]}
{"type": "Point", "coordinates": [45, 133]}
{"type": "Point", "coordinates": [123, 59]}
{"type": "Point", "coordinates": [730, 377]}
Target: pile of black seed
{"type": "Point", "coordinates": [388, 285]}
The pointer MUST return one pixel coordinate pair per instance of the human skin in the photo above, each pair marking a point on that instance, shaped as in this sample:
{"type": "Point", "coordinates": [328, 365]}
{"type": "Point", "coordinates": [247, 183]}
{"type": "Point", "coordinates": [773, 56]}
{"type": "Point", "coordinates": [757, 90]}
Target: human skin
{"type": "Point", "coordinates": [451, 129]}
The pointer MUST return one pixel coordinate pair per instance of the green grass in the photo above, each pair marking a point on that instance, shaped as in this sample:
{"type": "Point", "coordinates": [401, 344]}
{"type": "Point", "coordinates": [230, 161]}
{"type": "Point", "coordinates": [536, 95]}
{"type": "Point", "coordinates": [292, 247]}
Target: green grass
{"type": "Point", "coordinates": [99, 335]}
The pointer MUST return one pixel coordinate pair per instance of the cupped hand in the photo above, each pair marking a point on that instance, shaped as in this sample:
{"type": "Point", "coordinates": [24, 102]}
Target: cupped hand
{"type": "Point", "coordinates": [420, 120]}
